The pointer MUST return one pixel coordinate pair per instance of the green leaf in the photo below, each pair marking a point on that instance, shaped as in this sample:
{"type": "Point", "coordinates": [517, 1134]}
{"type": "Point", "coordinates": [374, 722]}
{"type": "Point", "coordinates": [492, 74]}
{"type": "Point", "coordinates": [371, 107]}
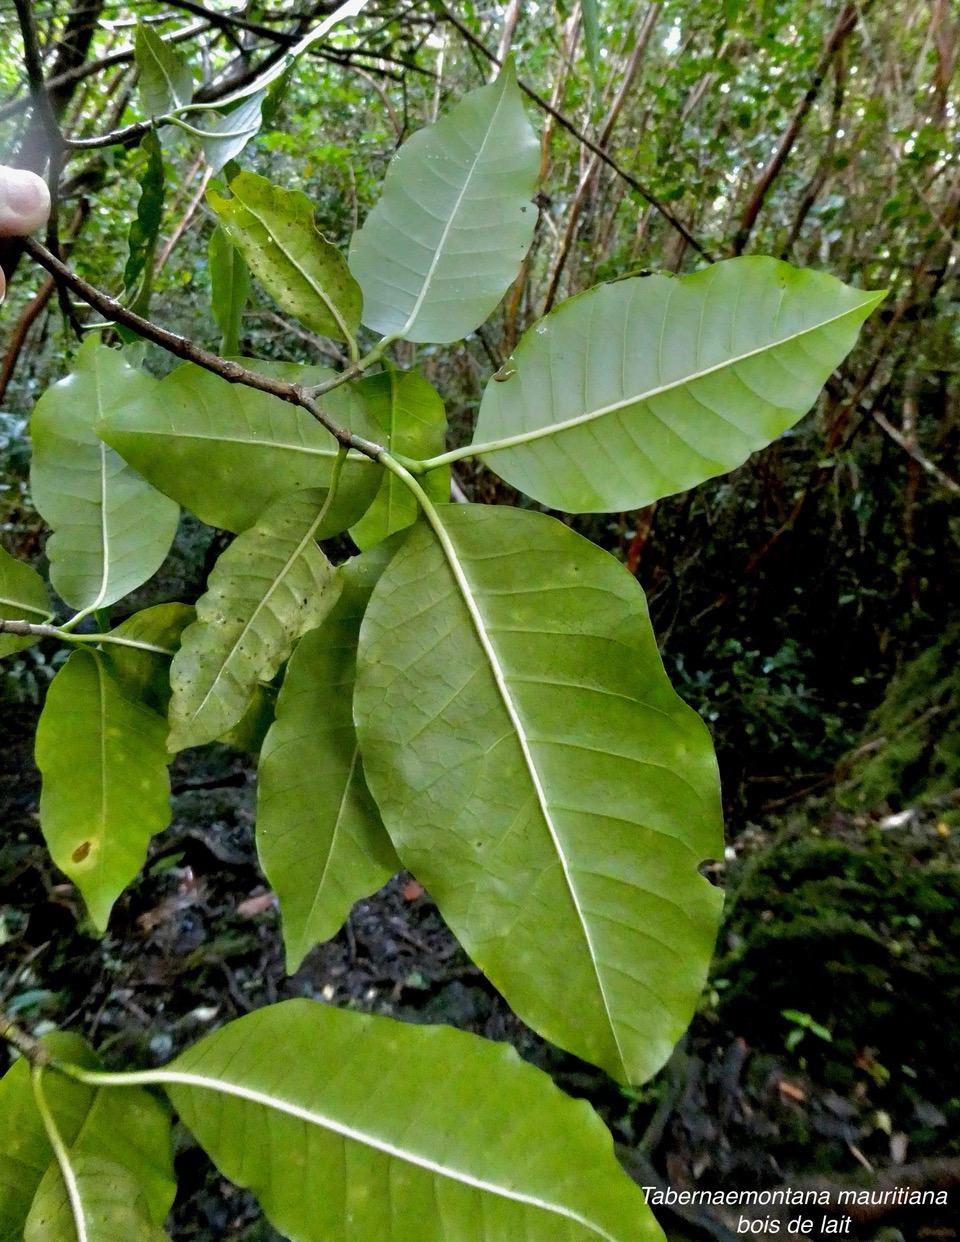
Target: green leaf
{"type": "Point", "coordinates": [270, 586]}
{"type": "Point", "coordinates": [23, 597]}
{"type": "Point", "coordinates": [276, 232]}
{"type": "Point", "coordinates": [460, 1140]}
{"type": "Point", "coordinates": [411, 413]}
{"type": "Point", "coordinates": [106, 790]}
{"type": "Point", "coordinates": [142, 243]}
{"type": "Point", "coordinates": [591, 32]}
{"type": "Point", "coordinates": [229, 132]}
{"type": "Point", "coordinates": [224, 451]}
{"type": "Point", "coordinates": [112, 1206]}
{"type": "Point", "coordinates": [320, 838]}
{"type": "Point", "coordinates": [538, 774]}
{"type": "Point", "coordinates": [145, 675]}
{"type": "Point", "coordinates": [112, 530]}
{"type": "Point", "coordinates": [229, 289]}
{"type": "Point", "coordinates": [454, 222]}
{"type": "Point", "coordinates": [166, 82]}
{"type": "Point", "coordinates": [648, 386]}
{"type": "Point", "coordinates": [130, 1127]}
{"type": "Point", "coordinates": [253, 726]}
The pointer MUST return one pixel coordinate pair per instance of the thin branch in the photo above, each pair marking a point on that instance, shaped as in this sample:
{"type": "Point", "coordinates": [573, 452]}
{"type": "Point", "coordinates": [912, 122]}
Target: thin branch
{"type": "Point", "coordinates": [233, 372]}
{"type": "Point", "coordinates": [842, 27]}
{"type": "Point", "coordinates": [581, 137]}
{"type": "Point", "coordinates": [911, 449]}
{"type": "Point", "coordinates": [24, 1042]}
{"type": "Point", "coordinates": [28, 629]}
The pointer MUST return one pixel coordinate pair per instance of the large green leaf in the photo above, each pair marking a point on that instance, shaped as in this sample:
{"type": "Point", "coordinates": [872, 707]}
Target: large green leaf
{"type": "Point", "coordinates": [454, 222]}
{"type": "Point", "coordinates": [23, 597]}
{"type": "Point", "coordinates": [106, 790]}
{"type": "Point", "coordinates": [460, 1141]}
{"type": "Point", "coordinates": [270, 586]}
{"type": "Point", "coordinates": [112, 530]}
{"type": "Point", "coordinates": [539, 775]}
{"type": "Point", "coordinates": [276, 232]}
{"type": "Point", "coordinates": [166, 82]}
{"type": "Point", "coordinates": [410, 411]}
{"type": "Point", "coordinates": [648, 386]}
{"type": "Point", "coordinates": [320, 838]}
{"type": "Point", "coordinates": [224, 451]}
{"type": "Point", "coordinates": [229, 289]}
{"type": "Point", "coordinates": [111, 1205]}
{"type": "Point", "coordinates": [129, 1127]}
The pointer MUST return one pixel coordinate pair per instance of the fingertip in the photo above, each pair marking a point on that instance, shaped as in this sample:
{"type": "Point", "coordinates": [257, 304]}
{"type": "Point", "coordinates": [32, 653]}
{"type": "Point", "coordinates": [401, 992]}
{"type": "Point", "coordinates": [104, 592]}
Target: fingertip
{"type": "Point", "coordinates": [24, 202]}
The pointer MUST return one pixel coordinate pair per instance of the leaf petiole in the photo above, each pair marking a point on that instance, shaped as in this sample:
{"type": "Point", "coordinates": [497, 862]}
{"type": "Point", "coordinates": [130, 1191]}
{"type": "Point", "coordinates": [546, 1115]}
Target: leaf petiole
{"type": "Point", "coordinates": [60, 1153]}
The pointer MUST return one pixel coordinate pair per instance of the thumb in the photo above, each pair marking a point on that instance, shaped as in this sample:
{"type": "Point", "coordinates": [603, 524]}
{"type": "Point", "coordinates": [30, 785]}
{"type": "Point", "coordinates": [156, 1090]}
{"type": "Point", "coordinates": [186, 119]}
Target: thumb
{"type": "Point", "coordinates": [24, 202]}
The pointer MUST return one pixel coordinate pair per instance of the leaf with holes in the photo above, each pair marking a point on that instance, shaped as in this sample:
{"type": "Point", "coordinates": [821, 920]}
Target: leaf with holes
{"type": "Point", "coordinates": [111, 529]}
{"type": "Point", "coordinates": [229, 289]}
{"type": "Point", "coordinates": [276, 233]}
{"type": "Point", "coordinates": [648, 386]}
{"type": "Point", "coordinates": [23, 597]}
{"type": "Point", "coordinates": [166, 82]}
{"type": "Point", "coordinates": [410, 411]}
{"type": "Point", "coordinates": [225, 451]}
{"type": "Point", "coordinates": [320, 839]}
{"type": "Point", "coordinates": [454, 222]}
{"type": "Point", "coordinates": [538, 774]}
{"type": "Point", "coordinates": [129, 1127]}
{"type": "Point", "coordinates": [461, 1139]}
{"type": "Point", "coordinates": [106, 791]}
{"type": "Point", "coordinates": [270, 586]}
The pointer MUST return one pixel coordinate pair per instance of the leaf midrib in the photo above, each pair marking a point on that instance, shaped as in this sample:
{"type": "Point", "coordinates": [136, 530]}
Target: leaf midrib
{"type": "Point", "coordinates": [553, 429]}
{"type": "Point", "coordinates": [513, 713]}
{"type": "Point", "coordinates": [251, 1095]}
{"type": "Point", "coordinates": [441, 244]}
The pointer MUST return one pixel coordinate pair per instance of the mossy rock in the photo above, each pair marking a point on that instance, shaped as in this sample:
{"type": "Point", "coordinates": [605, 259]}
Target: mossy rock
{"type": "Point", "coordinates": [861, 933]}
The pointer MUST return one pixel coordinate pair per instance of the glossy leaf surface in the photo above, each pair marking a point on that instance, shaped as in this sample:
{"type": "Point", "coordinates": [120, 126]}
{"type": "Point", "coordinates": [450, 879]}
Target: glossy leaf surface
{"type": "Point", "coordinates": [461, 1139]}
{"type": "Point", "coordinates": [166, 82]}
{"type": "Point", "coordinates": [229, 289]}
{"type": "Point", "coordinates": [106, 790]}
{"type": "Point", "coordinates": [645, 387]}
{"type": "Point", "coordinates": [130, 1127]}
{"type": "Point", "coordinates": [454, 222]}
{"type": "Point", "coordinates": [276, 232]}
{"type": "Point", "coordinates": [112, 1206]}
{"type": "Point", "coordinates": [410, 414]}
{"type": "Point", "coordinates": [23, 597]}
{"type": "Point", "coordinates": [321, 842]}
{"type": "Point", "coordinates": [224, 451]}
{"type": "Point", "coordinates": [538, 774]}
{"type": "Point", "coordinates": [112, 530]}
{"type": "Point", "coordinates": [270, 586]}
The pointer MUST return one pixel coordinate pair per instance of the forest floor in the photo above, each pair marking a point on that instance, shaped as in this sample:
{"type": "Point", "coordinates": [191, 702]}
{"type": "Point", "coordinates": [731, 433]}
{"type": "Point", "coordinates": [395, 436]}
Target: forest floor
{"type": "Point", "coordinates": [825, 1054]}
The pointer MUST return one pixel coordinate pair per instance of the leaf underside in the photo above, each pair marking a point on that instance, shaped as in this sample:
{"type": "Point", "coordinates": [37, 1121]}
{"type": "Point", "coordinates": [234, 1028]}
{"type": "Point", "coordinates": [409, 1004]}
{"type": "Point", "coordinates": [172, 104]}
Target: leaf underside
{"type": "Point", "coordinates": [454, 222]}
{"type": "Point", "coordinates": [648, 386]}
{"type": "Point", "coordinates": [537, 772]}
{"type": "Point", "coordinates": [270, 586]}
{"type": "Point", "coordinates": [225, 451]}
{"type": "Point", "coordinates": [410, 413]}
{"type": "Point", "coordinates": [320, 839]}
{"type": "Point", "coordinates": [112, 1207]}
{"type": "Point", "coordinates": [275, 230]}
{"type": "Point", "coordinates": [106, 790]}
{"type": "Point", "coordinates": [460, 1142]}
{"type": "Point", "coordinates": [112, 530]}
{"type": "Point", "coordinates": [23, 597]}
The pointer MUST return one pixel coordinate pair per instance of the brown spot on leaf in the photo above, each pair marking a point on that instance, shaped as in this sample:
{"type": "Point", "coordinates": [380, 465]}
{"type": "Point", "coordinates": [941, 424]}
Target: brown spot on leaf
{"type": "Point", "coordinates": [82, 851]}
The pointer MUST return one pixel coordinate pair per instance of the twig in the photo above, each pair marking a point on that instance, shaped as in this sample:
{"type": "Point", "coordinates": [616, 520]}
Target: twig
{"type": "Point", "coordinates": [24, 1042]}
{"type": "Point", "coordinates": [233, 372]}
{"type": "Point", "coordinates": [909, 447]}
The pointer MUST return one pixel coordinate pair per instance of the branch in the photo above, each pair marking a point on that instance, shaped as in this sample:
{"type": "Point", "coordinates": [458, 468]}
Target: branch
{"type": "Point", "coordinates": [910, 448]}
{"type": "Point", "coordinates": [842, 27]}
{"type": "Point", "coordinates": [24, 1043]}
{"type": "Point", "coordinates": [581, 137]}
{"type": "Point", "coordinates": [232, 372]}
